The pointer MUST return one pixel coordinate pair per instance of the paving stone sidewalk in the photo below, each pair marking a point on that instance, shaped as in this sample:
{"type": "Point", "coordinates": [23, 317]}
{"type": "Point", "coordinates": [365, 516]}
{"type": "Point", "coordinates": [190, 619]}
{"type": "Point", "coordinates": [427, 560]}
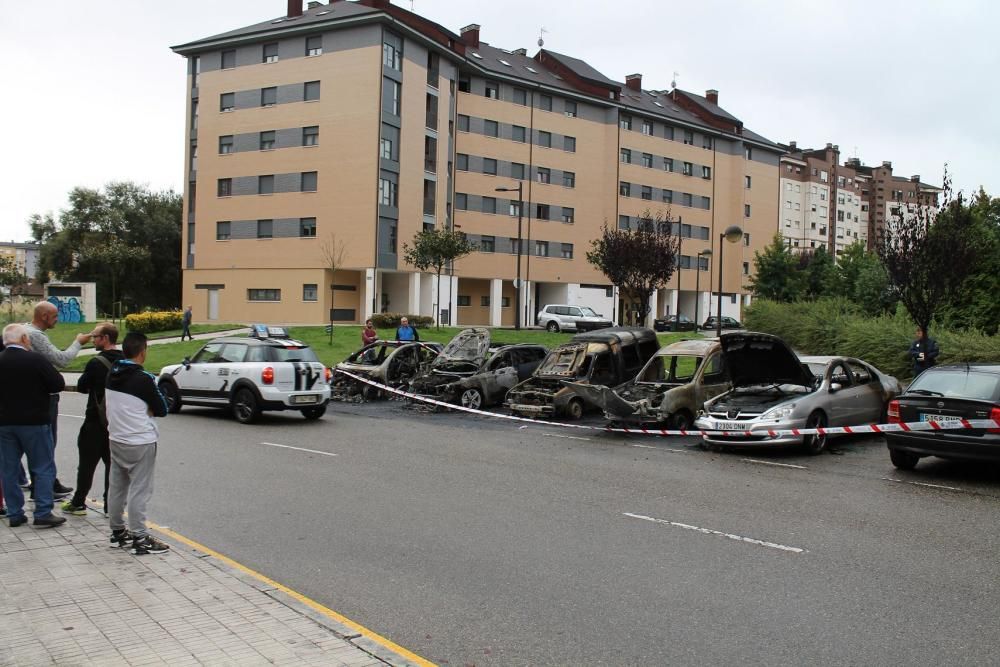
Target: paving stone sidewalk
{"type": "Point", "coordinates": [67, 598]}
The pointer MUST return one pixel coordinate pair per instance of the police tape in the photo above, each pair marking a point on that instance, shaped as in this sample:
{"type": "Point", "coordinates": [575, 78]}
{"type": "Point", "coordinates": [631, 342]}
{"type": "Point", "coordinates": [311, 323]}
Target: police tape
{"type": "Point", "coordinates": [930, 425]}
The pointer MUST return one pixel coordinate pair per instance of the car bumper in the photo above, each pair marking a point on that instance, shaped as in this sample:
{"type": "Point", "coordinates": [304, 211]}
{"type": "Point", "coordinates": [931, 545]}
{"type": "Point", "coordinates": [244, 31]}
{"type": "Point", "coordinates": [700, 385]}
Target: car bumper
{"type": "Point", "coordinates": [280, 400]}
{"type": "Point", "coordinates": [758, 433]}
{"type": "Point", "coordinates": [947, 445]}
{"type": "Point", "coordinates": [527, 410]}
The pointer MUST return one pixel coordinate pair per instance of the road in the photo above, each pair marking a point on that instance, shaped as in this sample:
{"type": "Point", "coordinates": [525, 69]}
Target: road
{"type": "Point", "coordinates": [471, 541]}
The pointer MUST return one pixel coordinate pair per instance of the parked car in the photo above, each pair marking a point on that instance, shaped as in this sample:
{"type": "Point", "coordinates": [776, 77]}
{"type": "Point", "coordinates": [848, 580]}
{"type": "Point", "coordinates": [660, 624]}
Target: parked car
{"type": "Point", "coordinates": [669, 391]}
{"type": "Point", "coordinates": [475, 372]}
{"type": "Point", "coordinates": [672, 323]}
{"type": "Point", "coordinates": [945, 393]}
{"type": "Point", "coordinates": [773, 389]}
{"type": "Point", "coordinates": [712, 323]}
{"type": "Point", "coordinates": [390, 362]}
{"type": "Point", "coordinates": [562, 317]}
{"type": "Point", "coordinates": [606, 357]}
{"type": "Point", "coordinates": [265, 371]}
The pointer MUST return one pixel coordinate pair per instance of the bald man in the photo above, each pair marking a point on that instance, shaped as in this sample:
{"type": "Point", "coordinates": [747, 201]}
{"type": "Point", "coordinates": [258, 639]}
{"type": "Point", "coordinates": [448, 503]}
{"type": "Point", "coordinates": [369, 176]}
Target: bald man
{"type": "Point", "coordinates": [45, 317]}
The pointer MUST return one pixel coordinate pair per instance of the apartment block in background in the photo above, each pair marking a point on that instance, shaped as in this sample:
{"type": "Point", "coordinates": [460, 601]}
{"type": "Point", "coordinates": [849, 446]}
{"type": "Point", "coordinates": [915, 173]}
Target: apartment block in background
{"type": "Point", "coordinates": [355, 125]}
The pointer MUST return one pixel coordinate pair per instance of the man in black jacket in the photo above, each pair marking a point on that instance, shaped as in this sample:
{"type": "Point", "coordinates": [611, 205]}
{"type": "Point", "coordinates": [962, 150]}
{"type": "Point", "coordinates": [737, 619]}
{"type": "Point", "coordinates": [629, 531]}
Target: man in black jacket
{"type": "Point", "coordinates": [26, 382]}
{"type": "Point", "coordinates": [924, 352]}
{"type": "Point", "coordinates": [92, 442]}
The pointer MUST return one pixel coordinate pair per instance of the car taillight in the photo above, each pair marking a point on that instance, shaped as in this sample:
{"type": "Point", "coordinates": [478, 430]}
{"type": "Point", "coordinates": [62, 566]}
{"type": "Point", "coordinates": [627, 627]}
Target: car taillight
{"type": "Point", "coordinates": [995, 416]}
{"type": "Point", "coordinates": [893, 412]}
{"type": "Point", "coordinates": [267, 375]}
{"type": "Point", "coordinates": [329, 375]}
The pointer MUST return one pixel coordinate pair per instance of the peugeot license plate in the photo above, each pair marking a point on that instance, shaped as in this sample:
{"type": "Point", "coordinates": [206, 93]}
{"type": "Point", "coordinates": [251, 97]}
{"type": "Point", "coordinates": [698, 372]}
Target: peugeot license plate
{"type": "Point", "coordinates": [305, 398]}
{"type": "Point", "coordinates": [924, 417]}
{"type": "Point", "coordinates": [730, 426]}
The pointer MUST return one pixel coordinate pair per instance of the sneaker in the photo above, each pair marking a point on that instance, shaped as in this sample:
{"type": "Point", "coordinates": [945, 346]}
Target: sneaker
{"type": "Point", "coordinates": [57, 487]}
{"type": "Point", "coordinates": [120, 538]}
{"type": "Point", "coordinates": [57, 495]}
{"type": "Point", "coordinates": [148, 544]}
{"type": "Point", "coordinates": [76, 510]}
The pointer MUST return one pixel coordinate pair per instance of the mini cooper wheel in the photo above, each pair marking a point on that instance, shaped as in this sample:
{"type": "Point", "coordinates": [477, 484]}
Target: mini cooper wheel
{"type": "Point", "coordinates": [172, 396]}
{"type": "Point", "coordinates": [815, 443]}
{"type": "Point", "coordinates": [471, 398]}
{"type": "Point", "coordinates": [314, 412]}
{"type": "Point", "coordinates": [245, 408]}
{"type": "Point", "coordinates": [552, 326]}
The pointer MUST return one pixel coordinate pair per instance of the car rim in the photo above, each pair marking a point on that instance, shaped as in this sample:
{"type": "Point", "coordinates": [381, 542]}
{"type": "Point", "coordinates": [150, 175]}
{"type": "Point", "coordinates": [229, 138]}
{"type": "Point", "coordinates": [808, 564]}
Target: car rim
{"type": "Point", "coordinates": [816, 441]}
{"type": "Point", "coordinates": [243, 408]}
{"type": "Point", "coordinates": [470, 399]}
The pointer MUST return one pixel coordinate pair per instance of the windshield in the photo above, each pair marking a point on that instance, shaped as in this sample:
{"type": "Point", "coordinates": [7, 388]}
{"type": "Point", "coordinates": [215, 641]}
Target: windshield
{"type": "Point", "coordinates": [588, 312]}
{"type": "Point", "coordinates": [958, 384]}
{"type": "Point", "coordinates": [671, 368]}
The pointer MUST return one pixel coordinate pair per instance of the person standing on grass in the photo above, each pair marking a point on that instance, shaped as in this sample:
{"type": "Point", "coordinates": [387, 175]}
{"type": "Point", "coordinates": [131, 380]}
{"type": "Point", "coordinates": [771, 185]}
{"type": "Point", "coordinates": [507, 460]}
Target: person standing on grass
{"type": "Point", "coordinates": [406, 332]}
{"type": "Point", "coordinates": [368, 334]}
{"type": "Point", "coordinates": [186, 325]}
{"type": "Point", "coordinates": [92, 442]}
{"type": "Point", "coordinates": [923, 351]}
{"type": "Point", "coordinates": [132, 400]}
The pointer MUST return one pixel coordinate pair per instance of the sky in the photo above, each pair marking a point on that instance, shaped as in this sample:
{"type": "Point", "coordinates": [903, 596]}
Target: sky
{"type": "Point", "coordinates": [94, 93]}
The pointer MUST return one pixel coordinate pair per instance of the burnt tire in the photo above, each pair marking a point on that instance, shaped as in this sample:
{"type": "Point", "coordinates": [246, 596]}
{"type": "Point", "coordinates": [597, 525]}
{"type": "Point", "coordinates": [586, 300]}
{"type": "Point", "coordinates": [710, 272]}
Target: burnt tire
{"type": "Point", "coordinates": [816, 443]}
{"type": "Point", "coordinates": [471, 398]}
{"type": "Point", "coordinates": [245, 407]}
{"type": "Point", "coordinates": [552, 326]}
{"type": "Point", "coordinates": [314, 412]}
{"type": "Point", "coordinates": [172, 396]}
{"type": "Point", "coordinates": [680, 421]}
{"type": "Point", "coordinates": [574, 409]}
{"type": "Point", "coordinates": [902, 459]}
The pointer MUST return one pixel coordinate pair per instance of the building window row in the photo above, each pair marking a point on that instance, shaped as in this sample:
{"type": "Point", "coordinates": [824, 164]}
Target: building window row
{"type": "Point", "coordinates": [269, 96]}
{"type": "Point", "coordinates": [265, 184]}
{"type": "Point", "coordinates": [494, 206]}
{"type": "Point", "coordinates": [271, 52]}
{"type": "Point", "coordinates": [683, 230]}
{"type": "Point", "coordinates": [227, 230]}
{"type": "Point", "coordinates": [515, 170]}
{"type": "Point", "coordinates": [668, 164]}
{"type": "Point", "coordinates": [650, 193]}
{"type": "Point", "coordinates": [516, 133]}
{"type": "Point", "coordinates": [652, 128]}
{"type": "Point", "coordinates": [269, 140]}
{"type": "Point", "coordinates": [539, 248]}
{"type": "Point", "coordinates": [495, 90]}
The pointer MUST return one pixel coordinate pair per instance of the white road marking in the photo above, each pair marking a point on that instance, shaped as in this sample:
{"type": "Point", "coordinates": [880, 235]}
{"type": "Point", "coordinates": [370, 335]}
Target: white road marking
{"type": "Point", "coordinates": [73, 416]}
{"type": "Point", "coordinates": [299, 449]}
{"type": "Point", "coordinates": [933, 486]}
{"type": "Point", "coordinates": [568, 437]}
{"type": "Point", "coordinates": [772, 463]}
{"type": "Point", "coordinates": [709, 531]}
{"type": "Point", "coordinates": [666, 449]}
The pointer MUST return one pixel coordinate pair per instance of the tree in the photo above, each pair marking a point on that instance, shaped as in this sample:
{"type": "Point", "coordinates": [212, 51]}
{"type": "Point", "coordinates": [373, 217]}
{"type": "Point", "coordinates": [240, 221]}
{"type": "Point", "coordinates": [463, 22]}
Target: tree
{"type": "Point", "coordinates": [436, 249]}
{"type": "Point", "coordinates": [776, 276]}
{"type": "Point", "coordinates": [333, 251]}
{"type": "Point", "coordinates": [820, 273]}
{"type": "Point", "coordinates": [872, 291]}
{"type": "Point", "coordinates": [927, 258]}
{"type": "Point", "coordinates": [638, 261]}
{"type": "Point", "coordinates": [849, 265]}
{"type": "Point", "coordinates": [11, 280]}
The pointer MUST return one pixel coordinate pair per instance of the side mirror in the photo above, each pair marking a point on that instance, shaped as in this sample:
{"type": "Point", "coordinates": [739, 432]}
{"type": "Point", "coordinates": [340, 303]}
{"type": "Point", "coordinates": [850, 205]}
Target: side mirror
{"type": "Point", "coordinates": [836, 386]}
{"type": "Point", "coordinates": [187, 362]}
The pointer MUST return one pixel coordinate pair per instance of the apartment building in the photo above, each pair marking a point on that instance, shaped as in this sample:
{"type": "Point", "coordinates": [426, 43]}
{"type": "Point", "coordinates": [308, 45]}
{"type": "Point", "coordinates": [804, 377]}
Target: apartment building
{"type": "Point", "coordinates": [354, 125]}
{"type": "Point", "coordinates": [25, 256]}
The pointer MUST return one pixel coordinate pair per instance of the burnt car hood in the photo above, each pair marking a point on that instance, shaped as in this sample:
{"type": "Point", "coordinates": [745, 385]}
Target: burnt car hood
{"type": "Point", "coordinates": [759, 358]}
{"type": "Point", "coordinates": [469, 345]}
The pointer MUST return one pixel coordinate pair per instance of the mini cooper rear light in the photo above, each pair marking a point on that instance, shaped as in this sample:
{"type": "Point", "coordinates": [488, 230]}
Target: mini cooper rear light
{"type": "Point", "coordinates": [267, 375]}
{"type": "Point", "coordinates": [893, 412]}
{"type": "Point", "coordinates": [995, 416]}
{"type": "Point", "coordinates": [329, 374]}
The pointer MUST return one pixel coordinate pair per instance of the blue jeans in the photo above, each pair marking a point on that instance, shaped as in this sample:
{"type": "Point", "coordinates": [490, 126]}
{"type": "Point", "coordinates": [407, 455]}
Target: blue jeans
{"type": "Point", "coordinates": [34, 441]}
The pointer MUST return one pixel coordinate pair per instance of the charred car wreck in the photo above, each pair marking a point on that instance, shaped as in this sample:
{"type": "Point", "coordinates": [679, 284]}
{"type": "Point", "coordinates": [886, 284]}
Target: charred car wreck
{"type": "Point", "coordinates": [605, 357]}
{"type": "Point", "coordinates": [473, 372]}
{"type": "Point", "coordinates": [390, 362]}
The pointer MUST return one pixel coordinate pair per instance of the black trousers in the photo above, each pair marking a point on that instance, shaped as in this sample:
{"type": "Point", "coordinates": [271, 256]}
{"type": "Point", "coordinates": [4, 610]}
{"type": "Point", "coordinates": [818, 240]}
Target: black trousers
{"type": "Point", "coordinates": [94, 448]}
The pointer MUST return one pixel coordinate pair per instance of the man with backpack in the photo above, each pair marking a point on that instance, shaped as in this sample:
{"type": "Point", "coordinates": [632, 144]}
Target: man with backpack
{"type": "Point", "coordinates": [92, 442]}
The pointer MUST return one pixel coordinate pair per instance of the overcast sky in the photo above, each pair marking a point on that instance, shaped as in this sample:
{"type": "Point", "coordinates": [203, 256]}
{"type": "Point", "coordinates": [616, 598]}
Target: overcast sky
{"type": "Point", "coordinates": [94, 93]}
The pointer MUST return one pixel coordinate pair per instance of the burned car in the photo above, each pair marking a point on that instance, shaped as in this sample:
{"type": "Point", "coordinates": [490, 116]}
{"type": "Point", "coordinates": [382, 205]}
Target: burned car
{"type": "Point", "coordinates": [605, 357]}
{"type": "Point", "coordinates": [390, 362]}
{"type": "Point", "coordinates": [474, 372]}
{"type": "Point", "coordinates": [773, 389]}
{"type": "Point", "coordinates": [669, 391]}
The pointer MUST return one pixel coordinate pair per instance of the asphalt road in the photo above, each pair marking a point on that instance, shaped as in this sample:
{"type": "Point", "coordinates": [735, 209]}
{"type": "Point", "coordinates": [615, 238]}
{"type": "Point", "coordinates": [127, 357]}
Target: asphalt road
{"type": "Point", "coordinates": [472, 541]}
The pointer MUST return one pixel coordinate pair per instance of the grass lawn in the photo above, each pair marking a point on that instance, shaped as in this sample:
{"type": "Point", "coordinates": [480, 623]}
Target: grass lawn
{"type": "Point", "coordinates": [63, 334]}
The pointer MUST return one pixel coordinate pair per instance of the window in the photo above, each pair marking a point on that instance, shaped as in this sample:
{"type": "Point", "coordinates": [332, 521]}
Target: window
{"type": "Point", "coordinates": [647, 127]}
{"type": "Point", "coordinates": [490, 166]}
{"type": "Point", "coordinates": [491, 128]}
{"type": "Point", "coordinates": [626, 155]}
{"type": "Point", "coordinates": [668, 196]}
{"type": "Point", "coordinates": [489, 205]}
{"type": "Point", "coordinates": [310, 91]}
{"type": "Point", "coordinates": [840, 216]}
{"type": "Point", "coordinates": [265, 185]}
{"type": "Point", "coordinates": [487, 244]}
{"type": "Point", "coordinates": [668, 164]}
{"type": "Point", "coordinates": [430, 197]}
{"type": "Point", "coordinates": [545, 139]}
{"type": "Point", "coordinates": [567, 251]}
{"type": "Point", "coordinates": [463, 123]}
{"type": "Point", "coordinates": [314, 45]}
{"type": "Point", "coordinates": [541, 248]}
{"type": "Point", "coordinates": [517, 133]}
{"type": "Point", "coordinates": [265, 229]}
{"type": "Point", "coordinates": [625, 189]}
{"type": "Point", "coordinates": [263, 295]}
{"type": "Point", "coordinates": [310, 291]}
{"type": "Point", "coordinates": [389, 146]}
{"type": "Point", "coordinates": [647, 192]}
{"type": "Point", "coordinates": [520, 96]}
{"type": "Point", "coordinates": [229, 59]}
{"type": "Point", "coordinates": [568, 215]}
{"type": "Point", "coordinates": [647, 160]}
{"type": "Point", "coordinates": [706, 172]}
{"type": "Point", "coordinates": [271, 53]}
{"type": "Point", "coordinates": [227, 101]}
{"type": "Point", "coordinates": [222, 231]}
{"type": "Point", "coordinates": [464, 300]}
{"type": "Point", "coordinates": [310, 135]}
{"type": "Point", "coordinates": [517, 170]}
{"type": "Point", "coordinates": [569, 144]}
{"type": "Point", "coordinates": [387, 192]}
{"type": "Point", "coordinates": [624, 222]}
{"type": "Point", "coordinates": [625, 122]}
{"type": "Point", "coordinates": [309, 181]}
{"type": "Point", "coordinates": [390, 96]}
{"type": "Point", "coordinates": [266, 140]}
{"type": "Point", "coordinates": [542, 211]}
{"type": "Point", "coordinates": [545, 102]}
{"type": "Point", "coordinates": [462, 162]}
{"type": "Point", "coordinates": [569, 179]}
{"type": "Point", "coordinates": [484, 301]}
{"type": "Point", "coordinates": [225, 187]}
{"type": "Point", "coordinates": [226, 144]}
{"type": "Point", "coordinates": [307, 227]}
{"type": "Point", "coordinates": [505, 302]}
{"type": "Point", "coordinates": [544, 175]}
{"type": "Point", "coordinates": [268, 96]}
{"type": "Point", "coordinates": [689, 137]}
{"type": "Point", "coordinates": [706, 142]}
{"type": "Point", "coordinates": [570, 109]}
{"type": "Point", "coordinates": [746, 210]}
{"type": "Point", "coordinates": [515, 209]}
{"type": "Point", "coordinates": [391, 56]}
{"type": "Point", "coordinates": [686, 199]}
{"type": "Point", "coordinates": [748, 152]}
{"type": "Point", "coordinates": [746, 268]}
{"type": "Point", "coordinates": [746, 182]}
{"type": "Point", "coordinates": [461, 201]}
{"type": "Point", "coordinates": [688, 169]}
{"type": "Point", "coordinates": [434, 70]}
{"type": "Point", "coordinates": [492, 90]}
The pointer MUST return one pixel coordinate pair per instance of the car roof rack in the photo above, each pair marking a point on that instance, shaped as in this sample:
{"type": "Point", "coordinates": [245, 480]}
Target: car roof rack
{"type": "Point", "coordinates": [268, 331]}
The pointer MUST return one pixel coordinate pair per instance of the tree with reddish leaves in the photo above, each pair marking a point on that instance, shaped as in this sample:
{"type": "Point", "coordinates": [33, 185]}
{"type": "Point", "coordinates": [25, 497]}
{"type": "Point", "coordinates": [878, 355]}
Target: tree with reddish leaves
{"type": "Point", "coordinates": [927, 256]}
{"type": "Point", "coordinates": [637, 261]}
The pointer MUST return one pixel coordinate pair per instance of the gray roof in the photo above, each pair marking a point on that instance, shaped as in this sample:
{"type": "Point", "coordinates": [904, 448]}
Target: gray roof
{"type": "Point", "coordinates": [583, 70]}
{"type": "Point", "coordinates": [714, 109]}
{"type": "Point", "coordinates": [490, 57]}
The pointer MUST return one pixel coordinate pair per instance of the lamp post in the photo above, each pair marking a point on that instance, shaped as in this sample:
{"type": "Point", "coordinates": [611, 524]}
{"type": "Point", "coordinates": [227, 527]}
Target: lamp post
{"type": "Point", "coordinates": [517, 289]}
{"type": "Point", "coordinates": [707, 252]}
{"type": "Point", "coordinates": [732, 234]}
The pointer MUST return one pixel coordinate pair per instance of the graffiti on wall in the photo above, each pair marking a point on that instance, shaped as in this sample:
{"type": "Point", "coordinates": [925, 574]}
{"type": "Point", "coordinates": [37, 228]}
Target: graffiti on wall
{"type": "Point", "coordinates": [69, 308]}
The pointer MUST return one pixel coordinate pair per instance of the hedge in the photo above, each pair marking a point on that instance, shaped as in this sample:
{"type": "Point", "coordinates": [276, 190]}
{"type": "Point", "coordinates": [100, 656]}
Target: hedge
{"type": "Point", "coordinates": [154, 321]}
{"type": "Point", "coordinates": [836, 327]}
{"type": "Point", "coordinates": [391, 320]}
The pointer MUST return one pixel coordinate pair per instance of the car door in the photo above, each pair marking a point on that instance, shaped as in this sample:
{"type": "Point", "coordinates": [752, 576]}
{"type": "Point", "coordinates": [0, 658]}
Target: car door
{"type": "Point", "coordinates": [712, 379]}
{"type": "Point", "coordinates": [499, 378]}
{"type": "Point", "coordinates": [841, 404]}
{"type": "Point", "coordinates": [870, 403]}
{"type": "Point", "coordinates": [194, 380]}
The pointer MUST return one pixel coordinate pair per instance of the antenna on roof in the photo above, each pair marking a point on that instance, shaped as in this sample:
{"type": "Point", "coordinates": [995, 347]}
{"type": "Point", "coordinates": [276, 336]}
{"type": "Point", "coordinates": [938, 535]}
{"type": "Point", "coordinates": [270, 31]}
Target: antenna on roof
{"type": "Point", "coordinates": [673, 85]}
{"type": "Point", "coordinates": [541, 37]}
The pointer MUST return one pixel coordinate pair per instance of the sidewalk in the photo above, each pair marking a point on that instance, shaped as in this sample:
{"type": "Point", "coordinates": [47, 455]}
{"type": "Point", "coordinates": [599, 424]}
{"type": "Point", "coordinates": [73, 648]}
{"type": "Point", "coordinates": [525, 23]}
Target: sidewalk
{"type": "Point", "coordinates": [66, 597]}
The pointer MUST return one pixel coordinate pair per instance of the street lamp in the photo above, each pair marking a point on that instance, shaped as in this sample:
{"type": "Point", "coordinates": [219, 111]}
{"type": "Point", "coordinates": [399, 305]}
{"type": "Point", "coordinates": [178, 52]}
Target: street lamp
{"type": "Point", "coordinates": [732, 234]}
{"type": "Point", "coordinates": [707, 252]}
{"type": "Point", "coordinates": [517, 290]}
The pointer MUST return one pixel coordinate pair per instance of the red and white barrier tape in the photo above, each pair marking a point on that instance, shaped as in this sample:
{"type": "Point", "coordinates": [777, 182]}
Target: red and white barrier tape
{"type": "Point", "coordinates": [955, 424]}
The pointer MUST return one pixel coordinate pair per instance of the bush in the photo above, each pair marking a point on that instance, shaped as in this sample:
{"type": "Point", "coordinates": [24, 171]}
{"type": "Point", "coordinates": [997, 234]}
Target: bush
{"type": "Point", "coordinates": [391, 320]}
{"type": "Point", "coordinates": [153, 321]}
{"type": "Point", "coordinates": [836, 327]}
